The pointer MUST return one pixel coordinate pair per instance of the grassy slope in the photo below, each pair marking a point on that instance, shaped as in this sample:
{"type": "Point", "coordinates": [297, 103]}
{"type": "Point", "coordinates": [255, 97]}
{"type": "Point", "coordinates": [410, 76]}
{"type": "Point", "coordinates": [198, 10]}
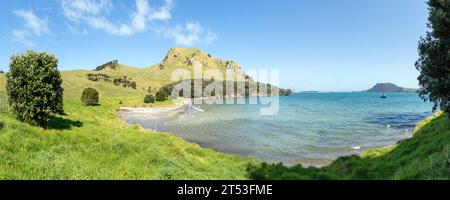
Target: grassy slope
{"type": "Point", "coordinates": [425, 156]}
{"type": "Point", "coordinates": [93, 143]}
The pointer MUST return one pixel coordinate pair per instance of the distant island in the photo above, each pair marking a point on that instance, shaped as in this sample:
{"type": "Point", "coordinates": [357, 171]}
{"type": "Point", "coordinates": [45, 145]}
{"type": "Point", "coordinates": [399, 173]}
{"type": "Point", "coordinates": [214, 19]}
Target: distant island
{"type": "Point", "coordinates": [308, 91]}
{"type": "Point", "coordinates": [389, 87]}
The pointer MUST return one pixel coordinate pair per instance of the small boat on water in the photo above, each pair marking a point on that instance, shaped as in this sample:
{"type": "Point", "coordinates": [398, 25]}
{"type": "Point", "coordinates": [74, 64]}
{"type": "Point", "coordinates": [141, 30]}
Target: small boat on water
{"type": "Point", "coordinates": [383, 96]}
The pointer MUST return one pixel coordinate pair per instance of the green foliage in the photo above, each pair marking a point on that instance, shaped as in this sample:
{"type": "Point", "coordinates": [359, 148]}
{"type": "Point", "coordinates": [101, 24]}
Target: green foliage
{"type": "Point", "coordinates": [99, 76]}
{"type": "Point", "coordinates": [125, 82]}
{"type": "Point", "coordinates": [89, 97]}
{"type": "Point", "coordinates": [285, 92]}
{"type": "Point", "coordinates": [149, 98]}
{"type": "Point", "coordinates": [248, 87]}
{"type": "Point", "coordinates": [1, 72]}
{"type": "Point", "coordinates": [112, 64]}
{"type": "Point", "coordinates": [161, 95]}
{"type": "Point", "coordinates": [424, 156]}
{"type": "Point", "coordinates": [434, 60]}
{"type": "Point", "coordinates": [34, 87]}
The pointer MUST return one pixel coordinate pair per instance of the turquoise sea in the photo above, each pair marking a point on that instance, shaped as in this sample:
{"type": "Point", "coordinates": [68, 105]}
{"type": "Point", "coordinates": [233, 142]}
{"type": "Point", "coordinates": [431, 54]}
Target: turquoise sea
{"type": "Point", "coordinates": [310, 128]}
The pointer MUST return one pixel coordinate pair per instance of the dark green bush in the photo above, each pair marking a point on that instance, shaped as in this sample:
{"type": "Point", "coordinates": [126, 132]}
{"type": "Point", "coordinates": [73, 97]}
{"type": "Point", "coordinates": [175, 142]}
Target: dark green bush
{"type": "Point", "coordinates": [161, 96]}
{"type": "Point", "coordinates": [89, 97]}
{"type": "Point", "coordinates": [149, 98]}
{"type": "Point", "coordinates": [34, 87]}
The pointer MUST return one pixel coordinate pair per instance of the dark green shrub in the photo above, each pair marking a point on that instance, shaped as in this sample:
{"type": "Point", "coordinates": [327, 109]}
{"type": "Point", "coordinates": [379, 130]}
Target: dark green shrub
{"type": "Point", "coordinates": [34, 87]}
{"type": "Point", "coordinates": [161, 96]}
{"type": "Point", "coordinates": [149, 98]}
{"type": "Point", "coordinates": [112, 64]}
{"type": "Point", "coordinates": [89, 97]}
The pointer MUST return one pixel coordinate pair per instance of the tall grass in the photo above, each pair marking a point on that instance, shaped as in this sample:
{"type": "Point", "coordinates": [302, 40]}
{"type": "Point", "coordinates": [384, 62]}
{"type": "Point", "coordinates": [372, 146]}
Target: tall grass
{"type": "Point", "coordinates": [3, 102]}
{"type": "Point", "coordinates": [93, 143]}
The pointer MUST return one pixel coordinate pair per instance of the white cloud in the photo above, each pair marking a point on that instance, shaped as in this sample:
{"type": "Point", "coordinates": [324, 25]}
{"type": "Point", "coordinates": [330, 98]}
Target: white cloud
{"type": "Point", "coordinates": [163, 13]}
{"type": "Point", "coordinates": [95, 14]}
{"type": "Point", "coordinates": [32, 22]}
{"type": "Point", "coordinates": [190, 34]}
{"type": "Point", "coordinates": [76, 9]}
{"type": "Point", "coordinates": [76, 30]}
{"type": "Point", "coordinates": [33, 26]}
{"type": "Point", "coordinates": [22, 37]}
{"type": "Point", "coordinates": [92, 13]}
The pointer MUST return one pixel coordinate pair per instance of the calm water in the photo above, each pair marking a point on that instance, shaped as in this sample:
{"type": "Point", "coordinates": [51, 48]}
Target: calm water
{"type": "Point", "coordinates": [311, 128]}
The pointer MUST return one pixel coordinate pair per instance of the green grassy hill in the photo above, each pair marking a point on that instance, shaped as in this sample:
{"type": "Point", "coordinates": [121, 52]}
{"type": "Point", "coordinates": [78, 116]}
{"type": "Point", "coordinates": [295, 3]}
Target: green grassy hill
{"type": "Point", "coordinates": [93, 143]}
{"type": "Point", "coordinates": [424, 156]}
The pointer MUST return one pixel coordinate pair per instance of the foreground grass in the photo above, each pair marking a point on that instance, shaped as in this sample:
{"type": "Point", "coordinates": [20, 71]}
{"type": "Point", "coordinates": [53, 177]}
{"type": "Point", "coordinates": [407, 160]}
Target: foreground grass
{"type": "Point", "coordinates": [424, 156]}
{"type": "Point", "coordinates": [93, 143]}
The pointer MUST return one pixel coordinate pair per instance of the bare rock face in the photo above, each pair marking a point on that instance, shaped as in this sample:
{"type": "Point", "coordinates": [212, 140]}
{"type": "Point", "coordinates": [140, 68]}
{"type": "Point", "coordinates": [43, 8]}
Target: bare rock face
{"type": "Point", "coordinates": [186, 58]}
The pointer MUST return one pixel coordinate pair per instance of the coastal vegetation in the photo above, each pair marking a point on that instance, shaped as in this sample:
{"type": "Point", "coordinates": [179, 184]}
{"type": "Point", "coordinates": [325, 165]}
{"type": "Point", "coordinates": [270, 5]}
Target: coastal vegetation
{"type": "Point", "coordinates": [149, 98]}
{"type": "Point", "coordinates": [239, 89]}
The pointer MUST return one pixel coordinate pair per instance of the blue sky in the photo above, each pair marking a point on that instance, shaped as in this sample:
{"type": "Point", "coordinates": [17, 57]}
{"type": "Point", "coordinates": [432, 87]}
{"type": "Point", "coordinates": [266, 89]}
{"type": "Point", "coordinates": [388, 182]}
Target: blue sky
{"type": "Point", "coordinates": [326, 45]}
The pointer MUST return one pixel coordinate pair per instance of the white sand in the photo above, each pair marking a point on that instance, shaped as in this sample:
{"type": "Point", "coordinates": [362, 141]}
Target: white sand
{"type": "Point", "coordinates": [154, 112]}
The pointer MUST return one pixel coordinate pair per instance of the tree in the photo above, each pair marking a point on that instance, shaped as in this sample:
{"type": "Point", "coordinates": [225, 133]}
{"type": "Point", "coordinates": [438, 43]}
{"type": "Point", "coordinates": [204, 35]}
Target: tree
{"type": "Point", "coordinates": [434, 57]}
{"type": "Point", "coordinates": [161, 96]}
{"type": "Point", "coordinates": [1, 72]}
{"type": "Point", "coordinates": [89, 97]}
{"type": "Point", "coordinates": [34, 87]}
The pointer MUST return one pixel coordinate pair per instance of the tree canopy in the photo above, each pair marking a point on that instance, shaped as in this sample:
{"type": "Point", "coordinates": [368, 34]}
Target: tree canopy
{"type": "Point", "coordinates": [34, 87]}
{"type": "Point", "coordinates": [434, 56]}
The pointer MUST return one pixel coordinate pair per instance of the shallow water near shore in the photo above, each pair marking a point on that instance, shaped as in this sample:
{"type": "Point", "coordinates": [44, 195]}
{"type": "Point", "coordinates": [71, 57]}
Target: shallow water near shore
{"type": "Point", "coordinates": [310, 128]}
